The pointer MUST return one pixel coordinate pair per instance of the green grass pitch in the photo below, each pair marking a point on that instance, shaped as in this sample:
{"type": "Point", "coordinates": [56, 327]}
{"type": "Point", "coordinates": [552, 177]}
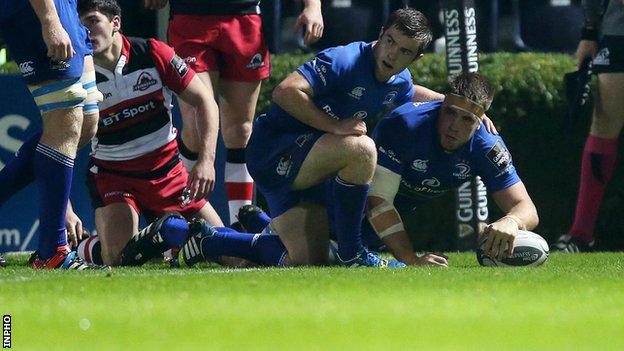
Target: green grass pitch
{"type": "Point", "coordinates": [573, 302]}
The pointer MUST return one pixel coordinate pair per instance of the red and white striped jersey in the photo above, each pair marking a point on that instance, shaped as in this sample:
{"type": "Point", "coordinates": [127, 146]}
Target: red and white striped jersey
{"type": "Point", "coordinates": [135, 128]}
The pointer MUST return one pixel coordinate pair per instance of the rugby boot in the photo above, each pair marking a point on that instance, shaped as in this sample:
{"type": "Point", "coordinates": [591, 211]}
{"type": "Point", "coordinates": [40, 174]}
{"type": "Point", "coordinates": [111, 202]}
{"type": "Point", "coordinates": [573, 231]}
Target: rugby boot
{"type": "Point", "coordinates": [570, 244]}
{"type": "Point", "coordinates": [147, 243]}
{"type": "Point", "coordinates": [367, 258]}
{"type": "Point", "coordinates": [191, 252]}
{"type": "Point", "coordinates": [63, 259]}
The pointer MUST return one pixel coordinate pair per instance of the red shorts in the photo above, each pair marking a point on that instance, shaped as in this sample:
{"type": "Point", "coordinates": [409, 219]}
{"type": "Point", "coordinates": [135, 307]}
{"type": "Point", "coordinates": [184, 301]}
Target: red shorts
{"type": "Point", "coordinates": [232, 45]}
{"type": "Point", "coordinates": [155, 196]}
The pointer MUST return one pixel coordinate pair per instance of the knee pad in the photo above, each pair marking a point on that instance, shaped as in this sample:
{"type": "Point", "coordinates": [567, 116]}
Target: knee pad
{"type": "Point", "coordinates": [93, 94]}
{"type": "Point", "coordinates": [57, 95]}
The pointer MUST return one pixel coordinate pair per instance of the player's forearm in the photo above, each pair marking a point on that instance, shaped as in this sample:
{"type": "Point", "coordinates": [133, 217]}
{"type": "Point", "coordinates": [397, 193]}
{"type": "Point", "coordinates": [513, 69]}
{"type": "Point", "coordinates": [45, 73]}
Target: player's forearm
{"type": "Point", "coordinates": [312, 4]}
{"type": "Point", "coordinates": [422, 94]}
{"type": "Point", "coordinates": [592, 11]}
{"type": "Point", "coordinates": [45, 11]}
{"type": "Point", "coordinates": [208, 128]}
{"type": "Point", "coordinates": [400, 246]}
{"type": "Point", "coordinates": [299, 105]}
{"type": "Point", "coordinates": [524, 214]}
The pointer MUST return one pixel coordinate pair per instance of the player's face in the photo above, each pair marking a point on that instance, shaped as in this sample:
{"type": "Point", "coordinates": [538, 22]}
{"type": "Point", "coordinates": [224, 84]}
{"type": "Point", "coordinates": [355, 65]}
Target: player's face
{"type": "Point", "coordinates": [101, 30]}
{"type": "Point", "coordinates": [393, 52]}
{"type": "Point", "coordinates": [455, 127]}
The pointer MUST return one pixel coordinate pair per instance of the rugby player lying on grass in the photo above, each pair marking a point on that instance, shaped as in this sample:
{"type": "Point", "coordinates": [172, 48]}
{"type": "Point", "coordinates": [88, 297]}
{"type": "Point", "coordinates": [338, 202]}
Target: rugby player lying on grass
{"type": "Point", "coordinates": [429, 148]}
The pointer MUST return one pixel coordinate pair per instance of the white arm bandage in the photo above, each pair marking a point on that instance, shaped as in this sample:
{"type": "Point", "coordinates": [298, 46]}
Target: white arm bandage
{"type": "Point", "coordinates": [384, 218]}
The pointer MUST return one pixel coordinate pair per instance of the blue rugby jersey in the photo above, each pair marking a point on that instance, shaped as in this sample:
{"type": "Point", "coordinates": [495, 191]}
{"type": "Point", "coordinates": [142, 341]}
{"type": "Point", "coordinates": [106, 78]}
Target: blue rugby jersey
{"type": "Point", "coordinates": [343, 79]}
{"type": "Point", "coordinates": [408, 144]}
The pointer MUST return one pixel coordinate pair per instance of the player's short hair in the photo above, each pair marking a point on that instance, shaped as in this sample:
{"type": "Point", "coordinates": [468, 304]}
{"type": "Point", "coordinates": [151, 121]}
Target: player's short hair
{"type": "Point", "coordinates": [109, 8]}
{"type": "Point", "coordinates": [413, 24]}
{"type": "Point", "coordinates": [474, 87]}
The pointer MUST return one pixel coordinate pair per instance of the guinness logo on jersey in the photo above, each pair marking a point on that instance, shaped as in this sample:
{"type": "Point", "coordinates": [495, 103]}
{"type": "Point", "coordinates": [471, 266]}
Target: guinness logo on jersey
{"type": "Point", "coordinates": [144, 81]}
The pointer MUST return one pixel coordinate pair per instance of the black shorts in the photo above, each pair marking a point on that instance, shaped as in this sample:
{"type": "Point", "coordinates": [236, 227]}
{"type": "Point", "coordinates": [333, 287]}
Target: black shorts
{"type": "Point", "coordinates": [610, 56]}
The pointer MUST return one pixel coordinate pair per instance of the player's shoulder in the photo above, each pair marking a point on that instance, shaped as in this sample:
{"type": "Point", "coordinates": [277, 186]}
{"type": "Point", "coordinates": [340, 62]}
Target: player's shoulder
{"type": "Point", "coordinates": [412, 115]}
{"type": "Point", "coordinates": [482, 137]}
{"type": "Point", "coordinates": [345, 56]}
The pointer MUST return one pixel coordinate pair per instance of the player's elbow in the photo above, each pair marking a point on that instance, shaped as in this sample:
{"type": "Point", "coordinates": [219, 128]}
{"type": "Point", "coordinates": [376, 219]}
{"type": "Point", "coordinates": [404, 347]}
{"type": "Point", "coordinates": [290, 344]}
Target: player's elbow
{"type": "Point", "coordinates": [281, 93]}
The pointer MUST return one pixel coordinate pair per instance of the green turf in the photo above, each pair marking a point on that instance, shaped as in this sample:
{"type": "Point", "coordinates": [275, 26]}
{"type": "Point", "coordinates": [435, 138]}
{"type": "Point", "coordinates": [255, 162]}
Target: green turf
{"type": "Point", "coordinates": [573, 302]}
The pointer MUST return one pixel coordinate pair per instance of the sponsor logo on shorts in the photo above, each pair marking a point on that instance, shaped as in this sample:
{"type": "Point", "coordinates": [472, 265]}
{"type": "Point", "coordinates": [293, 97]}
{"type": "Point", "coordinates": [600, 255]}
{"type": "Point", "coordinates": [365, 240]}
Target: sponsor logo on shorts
{"type": "Point", "coordinates": [499, 156]}
{"type": "Point", "coordinates": [357, 92]}
{"type": "Point", "coordinates": [117, 193]}
{"type": "Point", "coordinates": [179, 66]}
{"type": "Point", "coordinates": [360, 114]}
{"type": "Point", "coordinates": [256, 61]}
{"type": "Point", "coordinates": [144, 81]}
{"type": "Point", "coordinates": [602, 57]}
{"type": "Point", "coordinates": [462, 171]}
{"type": "Point", "coordinates": [420, 165]}
{"type": "Point", "coordinates": [303, 139]}
{"type": "Point", "coordinates": [431, 182]}
{"type": "Point", "coordinates": [27, 68]}
{"type": "Point", "coordinates": [390, 97]}
{"type": "Point", "coordinates": [283, 166]}
{"type": "Point", "coordinates": [59, 65]}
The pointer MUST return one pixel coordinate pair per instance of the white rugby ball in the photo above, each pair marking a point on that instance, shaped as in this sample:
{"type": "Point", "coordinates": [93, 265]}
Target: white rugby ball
{"type": "Point", "coordinates": [530, 249]}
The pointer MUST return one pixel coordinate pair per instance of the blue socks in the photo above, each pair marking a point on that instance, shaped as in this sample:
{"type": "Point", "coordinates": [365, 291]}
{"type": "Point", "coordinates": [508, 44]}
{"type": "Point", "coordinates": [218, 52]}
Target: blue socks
{"type": "Point", "coordinates": [349, 202]}
{"type": "Point", "coordinates": [257, 223]}
{"type": "Point", "coordinates": [174, 231]}
{"type": "Point", "coordinates": [19, 171]}
{"type": "Point", "coordinates": [53, 172]}
{"type": "Point", "coordinates": [265, 249]}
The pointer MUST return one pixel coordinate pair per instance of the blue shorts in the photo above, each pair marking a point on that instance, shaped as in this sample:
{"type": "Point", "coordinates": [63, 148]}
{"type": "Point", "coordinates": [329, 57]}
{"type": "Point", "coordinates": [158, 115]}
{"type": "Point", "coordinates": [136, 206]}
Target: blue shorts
{"type": "Point", "coordinates": [274, 159]}
{"type": "Point", "coordinates": [22, 34]}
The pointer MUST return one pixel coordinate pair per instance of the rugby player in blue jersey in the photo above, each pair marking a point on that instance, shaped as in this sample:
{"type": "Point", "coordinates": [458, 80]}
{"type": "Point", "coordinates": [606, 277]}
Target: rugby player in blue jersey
{"type": "Point", "coordinates": [51, 48]}
{"type": "Point", "coordinates": [426, 149]}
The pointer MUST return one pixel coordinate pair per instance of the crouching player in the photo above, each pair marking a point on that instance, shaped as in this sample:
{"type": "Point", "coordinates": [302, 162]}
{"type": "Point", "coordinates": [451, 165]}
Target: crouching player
{"type": "Point", "coordinates": [135, 163]}
{"type": "Point", "coordinates": [429, 148]}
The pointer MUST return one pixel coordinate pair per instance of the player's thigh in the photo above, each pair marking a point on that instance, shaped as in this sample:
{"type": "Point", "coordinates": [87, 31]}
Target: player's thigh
{"type": "Point", "coordinates": [61, 129]}
{"type": "Point", "coordinates": [330, 154]}
{"type": "Point", "coordinates": [304, 230]}
{"type": "Point", "coordinates": [115, 224]}
{"type": "Point", "coordinates": [237, 105]}
{"type": "Point", "coordinates": [609, 108]}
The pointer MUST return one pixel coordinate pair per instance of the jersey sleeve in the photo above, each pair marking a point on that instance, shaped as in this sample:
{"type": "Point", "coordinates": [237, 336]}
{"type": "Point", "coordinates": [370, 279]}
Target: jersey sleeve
{"type": "Point", "coordinates": [407, 96]}
{"type": "Point", "coordinates": [175, 73]}
{"type": "Point", "coordinates": [495, 165]}
{"type": "Point", "coordinates": [390, 137]}
{"type": "Point", "coordinates": [323, 72]}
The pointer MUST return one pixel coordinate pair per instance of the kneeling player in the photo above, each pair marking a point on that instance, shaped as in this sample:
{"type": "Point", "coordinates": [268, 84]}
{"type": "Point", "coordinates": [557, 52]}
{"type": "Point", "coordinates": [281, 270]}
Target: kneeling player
{"type": "Point", "coordinates": [426, 149]}
{"type": "Point", "coordinates": [135, 163]}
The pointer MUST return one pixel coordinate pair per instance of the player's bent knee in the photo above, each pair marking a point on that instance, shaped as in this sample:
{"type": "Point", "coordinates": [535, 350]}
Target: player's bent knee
{"type": "Point", "coordinates": [58, 95]}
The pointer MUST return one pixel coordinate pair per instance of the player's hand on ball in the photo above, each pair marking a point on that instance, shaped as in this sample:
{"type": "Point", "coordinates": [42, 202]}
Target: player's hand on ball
{"type": "Point", "coordinates": [57, 41]}
{"type": "Point", "coordinates": [499, 238]}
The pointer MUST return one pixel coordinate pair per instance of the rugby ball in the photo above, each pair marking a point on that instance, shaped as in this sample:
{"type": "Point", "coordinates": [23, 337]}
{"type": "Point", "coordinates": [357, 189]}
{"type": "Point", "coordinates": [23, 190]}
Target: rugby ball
{"type": "Point", "coordinates": [530, 249]}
